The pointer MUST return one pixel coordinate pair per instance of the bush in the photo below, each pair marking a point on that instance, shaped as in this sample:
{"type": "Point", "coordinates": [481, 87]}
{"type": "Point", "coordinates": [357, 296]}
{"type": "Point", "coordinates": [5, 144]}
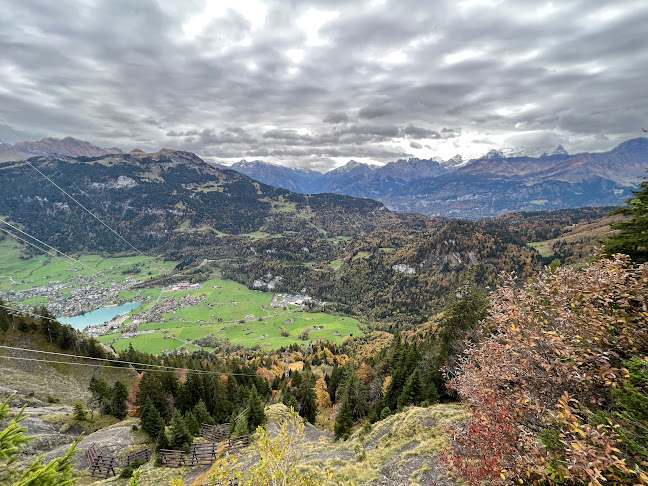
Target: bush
{"type": "Point", "coordinates": [126, 473]}
{"type": "Point", "coordinates": [79, 412]}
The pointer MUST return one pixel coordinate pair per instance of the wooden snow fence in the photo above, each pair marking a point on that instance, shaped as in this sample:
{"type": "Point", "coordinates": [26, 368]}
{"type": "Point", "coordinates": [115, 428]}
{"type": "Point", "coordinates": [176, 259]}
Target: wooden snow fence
{"type": "Point", "coordinates": [171, 458]}
{"type": "Point", "coordinates": [215, 433]}
{"type": "Point", "coordinates": [102, 463]}
{"type": "Point", "coordinates": [143, 455]}
{"type": "Point", "coordinates": [236, 443]}
{"type": "Point", "coordinates": [206, 453]}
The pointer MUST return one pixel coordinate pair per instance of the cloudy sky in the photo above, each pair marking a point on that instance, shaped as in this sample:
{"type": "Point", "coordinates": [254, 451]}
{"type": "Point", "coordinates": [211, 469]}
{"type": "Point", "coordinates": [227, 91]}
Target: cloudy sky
{"type": "Point", "coordinates": [316, 83]}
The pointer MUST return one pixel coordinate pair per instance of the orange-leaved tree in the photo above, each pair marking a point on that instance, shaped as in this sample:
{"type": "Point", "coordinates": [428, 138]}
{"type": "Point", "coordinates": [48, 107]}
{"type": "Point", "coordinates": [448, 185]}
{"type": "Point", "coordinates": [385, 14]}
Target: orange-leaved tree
{"type": "Point", "coordinates": [542, 385]}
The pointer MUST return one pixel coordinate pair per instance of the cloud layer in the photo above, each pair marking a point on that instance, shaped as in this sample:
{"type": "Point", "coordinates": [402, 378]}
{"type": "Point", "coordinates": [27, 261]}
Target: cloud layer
{"type": "Point", "coordinates": [314, 83]}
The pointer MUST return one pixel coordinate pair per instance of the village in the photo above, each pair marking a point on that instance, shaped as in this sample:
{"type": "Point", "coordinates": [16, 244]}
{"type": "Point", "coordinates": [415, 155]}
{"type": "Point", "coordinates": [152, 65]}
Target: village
{"type": "Point", "coordinates": [75, 295]}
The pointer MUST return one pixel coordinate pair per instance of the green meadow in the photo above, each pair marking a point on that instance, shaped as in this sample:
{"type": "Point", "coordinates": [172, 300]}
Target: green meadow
{"type": "Point", "coordinates": [245, 315]}
{"type": "Point", "coordinates": [18, 274]}
{"type": "Point", "coordinates": [227, 309]}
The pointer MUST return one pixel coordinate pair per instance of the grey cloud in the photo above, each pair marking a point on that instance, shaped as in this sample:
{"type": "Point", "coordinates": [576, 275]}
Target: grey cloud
{"type": "Point", "coordinates": [337, 117]}
{"type": "Point", "coordinates": [416, 145]}
{"type": "Point", "coordinates": [126, 73]}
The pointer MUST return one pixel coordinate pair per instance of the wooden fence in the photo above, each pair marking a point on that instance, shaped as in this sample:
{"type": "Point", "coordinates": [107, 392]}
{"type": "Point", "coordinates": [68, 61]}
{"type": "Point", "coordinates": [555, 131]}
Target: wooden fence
{"type": "Point", "coordinates": [102, 463]}
{"type": "Point", "coordinates": [215, 433]}
{"type": "Point", "coordinates": [143, 455]}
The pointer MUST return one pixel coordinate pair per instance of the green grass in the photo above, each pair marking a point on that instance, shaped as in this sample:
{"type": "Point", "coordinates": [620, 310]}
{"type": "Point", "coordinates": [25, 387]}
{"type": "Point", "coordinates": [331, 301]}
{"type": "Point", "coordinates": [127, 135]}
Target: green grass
{"type": "Point", "coordinates": [44, 270]}
{"type": "Point", "coordinates": [232, 302]}
{"type": "Point", "coordinates": [542, 247]}
{"type": "Point", "coordinates": [265, 333]}
{"type": "Point", "coordinates": [336, 264]}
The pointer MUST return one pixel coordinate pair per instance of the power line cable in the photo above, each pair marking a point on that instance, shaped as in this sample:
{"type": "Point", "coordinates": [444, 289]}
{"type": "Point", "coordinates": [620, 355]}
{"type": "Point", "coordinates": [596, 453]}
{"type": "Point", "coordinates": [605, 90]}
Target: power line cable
{"type": "Point", "coordinates": [28, 242]}
{"type": "Point", "coordinates": [52, 248]}
{"type": "Point", "coordinates": [9, 147]}
{"type": "Point", "coordinates": [133, 363]}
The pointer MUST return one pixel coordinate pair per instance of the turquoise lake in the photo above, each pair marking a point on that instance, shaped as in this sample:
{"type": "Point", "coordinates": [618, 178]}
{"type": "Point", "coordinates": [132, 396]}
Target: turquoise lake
{"type": "Point", "coordinates": [98, 316]}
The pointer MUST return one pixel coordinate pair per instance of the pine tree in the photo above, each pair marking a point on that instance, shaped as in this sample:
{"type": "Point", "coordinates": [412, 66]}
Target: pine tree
{"type": "Point", "coordinates": [289, 400]}
{"type": "Point", "coordinates": [192, 423]}
{"type": "Point", "coordinates": [255, 415]}
{"type": "Point", "coordinates": [151, 421]}
{"type": "Point", "coordinates": [343, 421]}
{"type": "Point", "coordinates": [308, 399]}
{"type": "Point", "coordinates": [100, 392]}
{"type": "Point", "coordinates": [4, 320]}
{"type": "Point", "coordinates": [632, 236]}
{"type": "Point", "coordinates": [119, 397]}
{"type": "Point", "coordinates": [79, 411]}
{"type": "Point", "coordinates": [202, 415]}
{"type": "Point", "coordinates": [276, 383]}
{"type": "Point", "coordinates": [411, 391]}
{"type": "Point", "coordinates": [179, 436]}
{"type": "Point", "coordinates": [162, 441]}
{"type": "Point", "coordinates": [241, 427]}
{"type": "Point", "coordinates": [384, 413]}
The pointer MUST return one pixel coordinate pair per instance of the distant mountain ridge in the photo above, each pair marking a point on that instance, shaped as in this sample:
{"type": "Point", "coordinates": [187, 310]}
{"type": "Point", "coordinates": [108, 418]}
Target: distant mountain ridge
{"type": "Point", "coordinates": [167, 199]}
{"type": "Point", "coordinates": [500, 181]}
{"type": "Point", "coordinates": [68, 146]}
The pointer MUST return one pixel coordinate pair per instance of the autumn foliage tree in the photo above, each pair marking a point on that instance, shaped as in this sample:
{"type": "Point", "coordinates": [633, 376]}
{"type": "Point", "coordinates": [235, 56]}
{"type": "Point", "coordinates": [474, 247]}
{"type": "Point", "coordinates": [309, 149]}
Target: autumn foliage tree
{"type": "Point", "coordinates": [545, 386]}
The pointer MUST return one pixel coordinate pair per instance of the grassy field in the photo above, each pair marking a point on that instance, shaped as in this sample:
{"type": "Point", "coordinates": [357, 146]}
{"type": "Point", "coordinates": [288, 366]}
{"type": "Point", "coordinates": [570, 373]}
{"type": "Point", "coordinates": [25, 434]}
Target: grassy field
{"type": "Point", "coordinates": [229, 311]}
{"type": "Point", "coordinates": [220, 307]}
{"type": "Point", "coordinates": [43, 270]}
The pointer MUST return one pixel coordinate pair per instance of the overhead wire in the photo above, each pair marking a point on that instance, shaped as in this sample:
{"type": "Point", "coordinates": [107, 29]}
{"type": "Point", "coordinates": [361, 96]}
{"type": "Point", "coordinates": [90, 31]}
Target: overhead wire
{"type": "Point", "coordinates": [18, 311]}
{"type": "Point", "coordinates": [10, 148]}
{"type": "Point", "coordinates": [133, 363]}
{"type": "Point", "coordinates": [50, 247]}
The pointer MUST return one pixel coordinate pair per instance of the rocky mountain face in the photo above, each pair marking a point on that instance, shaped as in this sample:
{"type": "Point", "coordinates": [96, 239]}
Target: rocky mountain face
{"type": "Point", "coordinates": [68, 146]}
{"type": "Point", "coordinates": [165, 199]}
{"type": "Point", "coordinates": [499, 182]}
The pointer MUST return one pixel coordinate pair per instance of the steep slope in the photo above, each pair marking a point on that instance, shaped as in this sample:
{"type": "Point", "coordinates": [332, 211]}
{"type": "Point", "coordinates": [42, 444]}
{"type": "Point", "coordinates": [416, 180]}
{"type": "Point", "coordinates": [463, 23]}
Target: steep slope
{"type": "Point", "coordinates": [164, 199]}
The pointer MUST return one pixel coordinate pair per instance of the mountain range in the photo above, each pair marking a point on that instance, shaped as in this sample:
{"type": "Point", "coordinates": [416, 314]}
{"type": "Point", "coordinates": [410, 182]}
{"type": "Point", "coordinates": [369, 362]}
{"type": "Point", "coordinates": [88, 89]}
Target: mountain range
{"type": "Point", "coordinates": [496, 183]}
{"type": "Point", "coordinates": [68, 146]}
{"type": "Point", "coordinates": [510, 179]}
{"type": "Point", "coordinates": [165, 199]}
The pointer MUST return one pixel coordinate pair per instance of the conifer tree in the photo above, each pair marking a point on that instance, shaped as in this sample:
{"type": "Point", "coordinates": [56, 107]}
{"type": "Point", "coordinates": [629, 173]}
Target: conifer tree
{"type": "Point", "coordinates": [58, 472]}
{"type": "Point", "coordinates": [241, 427]}
{"type": "Point", "coordinates": [4, 321]}
{"type": "Point", "coordinates": [162, 441]}
{"type": "Point", "coordinates": [632, 236]}
{"type": "Point", "coordinates": [119, 397]}
{"type": "Point", "coordinates": [151, 421]}
{"type": "Point", "coordinates": [411, 393]}
{"type": "Point", "coordinates": [202, 415]}
{"type": "Point", "coordinates": [192, 423]}
{"type": "Point", "coordinates": [179, 436]}
{"type": "Point", "coordinates": [289, 400]}
{"type": "Point", "coordinates": [255, 415]}
{"type": "Point", "coordinates": [343, 421]}
{"type": "Point", "coordinates": [296, 380]}
{"type": "Point", "coordinates": [308, 399]}
{"type": "Point", "coordinates": [100, 392]}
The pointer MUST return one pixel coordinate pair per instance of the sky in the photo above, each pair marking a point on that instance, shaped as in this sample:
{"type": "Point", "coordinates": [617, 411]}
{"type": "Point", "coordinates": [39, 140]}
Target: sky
{"type": "Point", "coordinates": [315, 83]}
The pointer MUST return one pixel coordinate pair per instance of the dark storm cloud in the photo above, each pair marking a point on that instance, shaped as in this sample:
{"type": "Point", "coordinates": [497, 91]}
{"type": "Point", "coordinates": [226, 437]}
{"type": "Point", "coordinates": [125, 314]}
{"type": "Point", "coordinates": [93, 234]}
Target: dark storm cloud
{"type": "Point", "coordinates": [317, 81]}
{"type": "Point", "coordinates": [336, 117]}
